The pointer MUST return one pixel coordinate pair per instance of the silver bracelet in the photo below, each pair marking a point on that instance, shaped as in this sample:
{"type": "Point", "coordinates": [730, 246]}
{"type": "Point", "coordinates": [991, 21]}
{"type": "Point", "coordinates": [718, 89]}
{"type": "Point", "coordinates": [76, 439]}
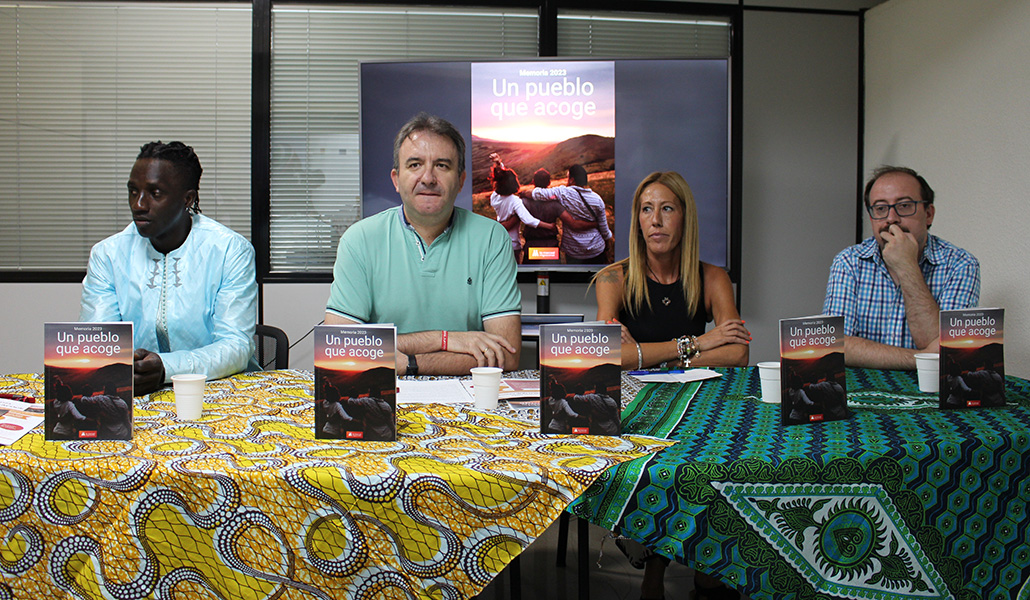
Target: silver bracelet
{"type": "Point", "coordinates": [640, 357]}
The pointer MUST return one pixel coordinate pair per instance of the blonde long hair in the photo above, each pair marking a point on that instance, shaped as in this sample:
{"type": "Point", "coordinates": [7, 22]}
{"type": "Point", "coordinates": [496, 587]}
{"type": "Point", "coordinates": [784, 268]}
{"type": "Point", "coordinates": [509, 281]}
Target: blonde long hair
{"type": "Point", "coordinates": [634, 293]}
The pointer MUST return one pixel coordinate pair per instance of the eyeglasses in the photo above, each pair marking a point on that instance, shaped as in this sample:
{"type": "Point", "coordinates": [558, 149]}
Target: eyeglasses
{"type": "Point", "coordinates": [905, 208]}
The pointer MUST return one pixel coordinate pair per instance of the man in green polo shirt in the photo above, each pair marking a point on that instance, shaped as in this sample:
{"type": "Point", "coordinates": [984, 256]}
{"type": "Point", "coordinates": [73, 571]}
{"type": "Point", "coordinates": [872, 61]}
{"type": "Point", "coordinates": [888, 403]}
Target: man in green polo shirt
{"type": "Point", "coordinates": [443, 275]}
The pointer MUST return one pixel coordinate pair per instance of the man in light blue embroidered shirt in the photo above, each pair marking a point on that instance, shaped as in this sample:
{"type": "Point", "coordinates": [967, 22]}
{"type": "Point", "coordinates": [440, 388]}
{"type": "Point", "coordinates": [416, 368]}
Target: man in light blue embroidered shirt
{"type": "Point", "coordinates": [444, 276]}
{"type": "Point", "coordinates": [891, 287]}
{"type": "Point", "coordinates": [185, 281]}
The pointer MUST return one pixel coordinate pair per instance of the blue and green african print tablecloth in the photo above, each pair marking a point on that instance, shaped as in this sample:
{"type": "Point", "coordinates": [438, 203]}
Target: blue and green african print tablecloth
{"type": "Point", "coordinates": [902, 501]}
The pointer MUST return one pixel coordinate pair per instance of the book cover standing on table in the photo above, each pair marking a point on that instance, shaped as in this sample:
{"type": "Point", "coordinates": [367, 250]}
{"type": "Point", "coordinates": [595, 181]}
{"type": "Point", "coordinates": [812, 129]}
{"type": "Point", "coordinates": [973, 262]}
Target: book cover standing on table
{"type": "Point", "coordinates": [580, 379]}
{"type": "Point", "coordinates": [972, 368]}
{"type": "Point", "coordinates": [356, 382]}
{"type": "Point", "coordinates": [87, 378]}
{"type": "Point", "coordinates": [812, 383]}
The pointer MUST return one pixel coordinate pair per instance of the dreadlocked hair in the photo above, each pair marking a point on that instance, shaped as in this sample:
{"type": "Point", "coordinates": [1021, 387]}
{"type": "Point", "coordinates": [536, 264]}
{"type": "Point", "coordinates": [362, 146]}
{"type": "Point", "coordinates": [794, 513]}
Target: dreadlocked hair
{"type": "Point", "coordinates": [184, 158]}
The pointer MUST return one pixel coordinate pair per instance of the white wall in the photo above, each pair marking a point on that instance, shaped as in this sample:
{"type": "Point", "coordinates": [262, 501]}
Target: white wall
{"type": "Point", "coordinates": [25, 307]}
{"type": "Point", "coordinates": [296, 308]}
{"type": "Point", "coordinates": [800, 151]}
{"type": "Point", "coordinates": [947, 90]}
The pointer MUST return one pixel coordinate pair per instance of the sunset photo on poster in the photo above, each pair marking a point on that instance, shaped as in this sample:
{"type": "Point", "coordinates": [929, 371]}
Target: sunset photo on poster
{"type": "Point", "coordinates": [543, 102]}
{"type": "Point", "coordinates": [806, 353]}
{"type": "Point", "coordinates": [987, 328]}
{"type": "Point", "coordinates": [573, 363]}
{"type": "Point", "coordinates": [353, 348]}
{"type": "Point", "coordinates": [972, 338]}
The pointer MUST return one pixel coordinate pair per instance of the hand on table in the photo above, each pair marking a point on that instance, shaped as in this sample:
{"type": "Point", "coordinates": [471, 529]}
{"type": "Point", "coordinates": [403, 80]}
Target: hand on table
{"type": "Point", "coordinates": [148, 372]}
{"type": "Point", "coordinates": [487, 348]}
{"type": "Point", "coordinates": [731, 331]}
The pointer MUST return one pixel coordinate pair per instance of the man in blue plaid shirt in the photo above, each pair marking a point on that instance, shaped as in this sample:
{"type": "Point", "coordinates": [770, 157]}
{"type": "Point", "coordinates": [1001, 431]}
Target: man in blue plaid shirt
{"type": "Point", "coordinates": [891, 287]}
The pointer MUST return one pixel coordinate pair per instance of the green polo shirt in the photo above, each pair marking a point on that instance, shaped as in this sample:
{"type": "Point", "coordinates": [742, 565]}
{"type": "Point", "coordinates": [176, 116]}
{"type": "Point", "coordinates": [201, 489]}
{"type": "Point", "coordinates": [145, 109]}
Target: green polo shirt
{"type": "Point", "coordinates": [384, 273]}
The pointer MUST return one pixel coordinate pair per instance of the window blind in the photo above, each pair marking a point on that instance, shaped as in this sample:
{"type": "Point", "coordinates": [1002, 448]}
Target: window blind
{"type": "Point", "coordinates": [628, 34]}
{"type": "Point", "coordinates": [316, 52]}
{"type": "Point", "coordinates": [83, 85]}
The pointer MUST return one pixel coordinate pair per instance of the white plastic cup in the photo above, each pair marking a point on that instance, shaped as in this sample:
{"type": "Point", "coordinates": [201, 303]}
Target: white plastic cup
{"type": "Point", "coordinates": [189, 395]}
{"type": "Point", "coordinates": [928, 366]}
{"type": "Point", "coordinates": [486, 385]}
{"type": "Point", "coordinates": [769, 372]}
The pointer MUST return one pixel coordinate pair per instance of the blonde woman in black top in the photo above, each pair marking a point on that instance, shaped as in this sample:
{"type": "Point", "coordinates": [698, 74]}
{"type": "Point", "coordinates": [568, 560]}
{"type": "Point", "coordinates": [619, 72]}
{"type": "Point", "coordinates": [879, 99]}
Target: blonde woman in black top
{"type": "Point", "coordinates": [663, 295]}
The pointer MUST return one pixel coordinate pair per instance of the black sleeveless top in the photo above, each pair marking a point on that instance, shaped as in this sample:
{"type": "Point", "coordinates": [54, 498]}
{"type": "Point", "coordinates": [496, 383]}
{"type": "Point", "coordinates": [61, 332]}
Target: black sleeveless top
{"type": "Point", "coordinates": [665, 321]}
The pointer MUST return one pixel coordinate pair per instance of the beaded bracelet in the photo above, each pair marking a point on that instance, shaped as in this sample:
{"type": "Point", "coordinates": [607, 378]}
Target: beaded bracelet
{"type": "Point", "coordinates": [686, 347]}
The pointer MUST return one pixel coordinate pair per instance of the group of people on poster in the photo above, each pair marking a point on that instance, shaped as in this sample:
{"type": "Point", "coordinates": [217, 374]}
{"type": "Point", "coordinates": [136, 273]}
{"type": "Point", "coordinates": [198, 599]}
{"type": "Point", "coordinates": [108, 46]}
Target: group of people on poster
{"type": "Point", "coordinates": [824, 397]}
{"type": "Point", "coordinates": [532, 216]}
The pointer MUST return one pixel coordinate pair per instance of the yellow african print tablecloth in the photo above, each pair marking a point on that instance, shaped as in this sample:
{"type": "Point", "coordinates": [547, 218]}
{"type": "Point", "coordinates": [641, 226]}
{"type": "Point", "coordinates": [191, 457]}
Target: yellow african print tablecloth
{"type": "Point", "coordinates": [245, 503]}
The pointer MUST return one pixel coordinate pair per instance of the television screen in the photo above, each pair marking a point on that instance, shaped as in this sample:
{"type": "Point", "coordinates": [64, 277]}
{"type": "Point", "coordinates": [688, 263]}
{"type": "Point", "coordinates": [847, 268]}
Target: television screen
{"type": "Point", "coordinates": [562, 144]}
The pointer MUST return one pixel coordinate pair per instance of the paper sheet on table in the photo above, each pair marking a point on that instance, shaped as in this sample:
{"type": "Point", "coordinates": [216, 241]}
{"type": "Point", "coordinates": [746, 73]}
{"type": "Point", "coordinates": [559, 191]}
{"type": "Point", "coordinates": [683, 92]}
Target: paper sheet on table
{"type": "Point", "coordinates": [17, 418]}
{"type": "Point", "coordinates": [441, 391]}
{"type": "Point", "coordinates": [512, 388]}
{"type": "Point", "coordinates": [684, 377]}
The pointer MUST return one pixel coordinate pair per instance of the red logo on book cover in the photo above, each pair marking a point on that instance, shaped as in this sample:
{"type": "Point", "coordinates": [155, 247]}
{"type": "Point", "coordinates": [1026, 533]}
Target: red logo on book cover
{"type": "Point", "coordinates": [87, 434]}
{"type": "Point", "coordinates": [581, 430]}
{"type": "Point", "coordinates": [543, 253]}
{"type": "Point", "coordinates": [11, 426]}
{"type": "Point", "coordinates": [814, 418]}
{"type": "Point", "coordinates": [973, 403]}
{"type": "Point", "coordinates": [355, 435]}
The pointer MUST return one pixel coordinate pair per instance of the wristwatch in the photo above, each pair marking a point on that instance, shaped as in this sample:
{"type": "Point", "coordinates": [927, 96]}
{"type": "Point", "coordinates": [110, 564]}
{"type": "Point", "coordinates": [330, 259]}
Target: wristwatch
{"type": "Point", "coordinates": [412, 366]}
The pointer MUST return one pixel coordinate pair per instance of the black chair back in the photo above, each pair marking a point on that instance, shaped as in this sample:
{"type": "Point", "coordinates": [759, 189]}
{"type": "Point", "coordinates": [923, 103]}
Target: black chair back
{"type": "Point", "coordinates": [271, 347]}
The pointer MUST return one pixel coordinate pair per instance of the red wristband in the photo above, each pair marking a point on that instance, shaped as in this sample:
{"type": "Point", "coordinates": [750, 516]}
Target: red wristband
{"type": "Point", "coordinates": [443, 341]}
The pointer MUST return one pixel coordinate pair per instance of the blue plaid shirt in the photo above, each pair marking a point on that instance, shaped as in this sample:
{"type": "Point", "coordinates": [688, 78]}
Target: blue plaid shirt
{"type": "Point", "coordinates": [861, 289]}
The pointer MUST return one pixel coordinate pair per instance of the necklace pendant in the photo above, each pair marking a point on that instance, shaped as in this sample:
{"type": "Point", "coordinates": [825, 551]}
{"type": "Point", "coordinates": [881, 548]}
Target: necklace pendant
{"type": "Point", "coordinates": [666, 301]}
